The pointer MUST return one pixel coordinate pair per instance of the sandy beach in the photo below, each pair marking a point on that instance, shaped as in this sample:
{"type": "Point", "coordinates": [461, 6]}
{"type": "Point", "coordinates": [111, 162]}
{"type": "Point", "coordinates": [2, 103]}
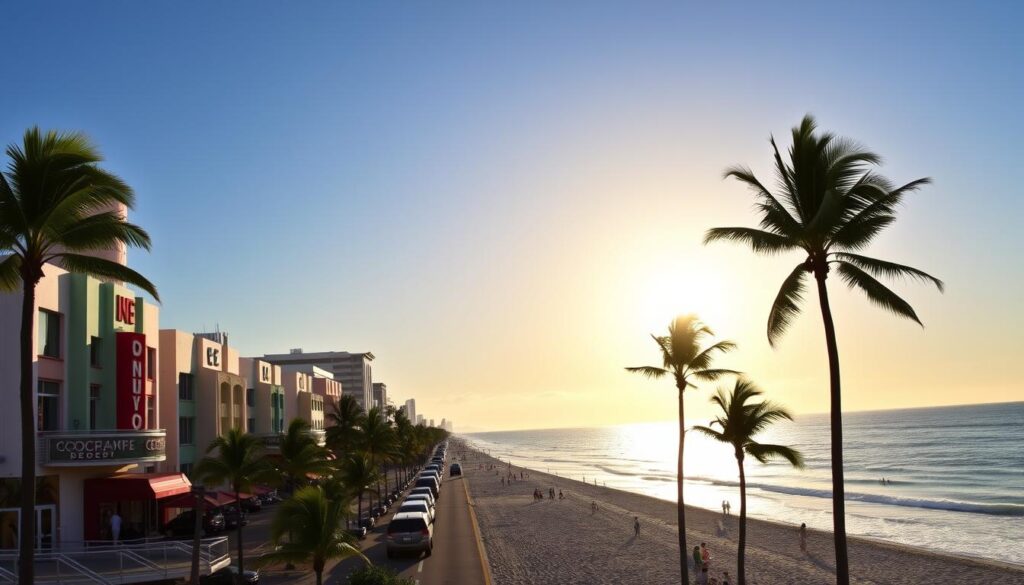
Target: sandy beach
{"type": "Point", "coordinates": [564, 542]}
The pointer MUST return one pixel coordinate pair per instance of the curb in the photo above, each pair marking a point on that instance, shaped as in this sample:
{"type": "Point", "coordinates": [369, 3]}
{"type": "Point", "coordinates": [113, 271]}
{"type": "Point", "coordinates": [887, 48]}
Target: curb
{"type": "Point", "coordinates": [484, 564]}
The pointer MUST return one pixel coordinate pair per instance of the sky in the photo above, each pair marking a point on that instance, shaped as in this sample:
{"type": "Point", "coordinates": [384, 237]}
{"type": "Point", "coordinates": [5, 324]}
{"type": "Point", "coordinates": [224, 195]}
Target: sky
{"type": "Point", "coordinates": [503, 200]}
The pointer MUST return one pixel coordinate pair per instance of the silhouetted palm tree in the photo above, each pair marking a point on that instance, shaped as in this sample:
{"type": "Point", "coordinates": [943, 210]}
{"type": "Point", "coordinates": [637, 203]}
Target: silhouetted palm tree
{"type": "Point", "coordinates": [828, 205]}
{"type": "Point", "coordinates": [377, 440]}
{"type": "Point", "coordinates": [315, 528]}
{"type": "Point", "coordinates": [300, 456]}
{"type": "Point", "coordinates": [239, 463]}
{"type": "Point", "coordinates": [358, 473]}
{"type": "Point", "coordinates": [683, 358]}
{"type": "Point", "coordinates": [344, 418]}
{"type": "Point", "coordinates": [739, 422]}
{"type": "Point", "coordinates": [56, 205]}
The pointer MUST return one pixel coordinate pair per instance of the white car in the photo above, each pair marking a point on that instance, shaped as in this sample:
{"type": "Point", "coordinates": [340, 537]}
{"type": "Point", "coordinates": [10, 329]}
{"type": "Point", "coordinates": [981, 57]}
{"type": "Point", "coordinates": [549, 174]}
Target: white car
{"type": "Point", "coordinates": [429, 499]}
{"type": "Point", "coordinates": [410, 531]}
{"type": "Point", "coordinates": [423, 490]}
{"type": "Point", "coordinates": [417, 505]}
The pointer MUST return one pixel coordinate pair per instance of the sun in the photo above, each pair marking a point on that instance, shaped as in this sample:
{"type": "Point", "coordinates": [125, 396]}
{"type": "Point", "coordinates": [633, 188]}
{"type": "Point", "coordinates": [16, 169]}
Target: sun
{"type": "Point", "coordinates": [661, 297]}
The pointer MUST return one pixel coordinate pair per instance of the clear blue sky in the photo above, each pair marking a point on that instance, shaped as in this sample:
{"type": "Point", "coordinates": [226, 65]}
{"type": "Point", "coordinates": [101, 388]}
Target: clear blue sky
{"type": "Point", "coordinates": [472, 190]}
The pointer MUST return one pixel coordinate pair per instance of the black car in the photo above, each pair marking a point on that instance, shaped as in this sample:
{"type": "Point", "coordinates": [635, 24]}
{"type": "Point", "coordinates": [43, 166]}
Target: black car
{"type": "Point", "coordinates": [184, 524]}
{"type": "Point", "coordinates": [226, 576]}
{"type": "Point", "coordinates": [455, 469]}
{"type": "Point", "coordinates": [253, 504]}
{"type": "Point", "coordinates": [232, 517]}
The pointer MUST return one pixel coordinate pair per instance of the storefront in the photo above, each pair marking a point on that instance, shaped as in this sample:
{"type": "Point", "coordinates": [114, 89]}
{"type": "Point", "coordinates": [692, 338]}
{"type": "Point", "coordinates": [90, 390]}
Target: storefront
{"type": "Point", "coordinates": [138, 499]}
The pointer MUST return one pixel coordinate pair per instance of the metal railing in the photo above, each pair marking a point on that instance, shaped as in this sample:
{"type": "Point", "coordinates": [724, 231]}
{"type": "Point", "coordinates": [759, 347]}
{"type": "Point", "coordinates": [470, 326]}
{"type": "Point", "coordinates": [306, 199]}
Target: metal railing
{"type": "Point", "coordinates": [133, 561]}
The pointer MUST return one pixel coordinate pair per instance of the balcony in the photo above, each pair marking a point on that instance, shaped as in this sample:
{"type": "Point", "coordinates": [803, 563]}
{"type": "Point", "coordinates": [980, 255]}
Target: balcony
{"type": "Point", "coordinates": [101, 448]}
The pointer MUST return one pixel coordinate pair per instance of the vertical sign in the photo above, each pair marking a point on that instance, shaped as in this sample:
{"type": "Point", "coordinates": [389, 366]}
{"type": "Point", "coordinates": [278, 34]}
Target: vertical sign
{"type": "Point", "coordinates": [131, 381]}
{"type": "Point", "coordinates": [124, 310]}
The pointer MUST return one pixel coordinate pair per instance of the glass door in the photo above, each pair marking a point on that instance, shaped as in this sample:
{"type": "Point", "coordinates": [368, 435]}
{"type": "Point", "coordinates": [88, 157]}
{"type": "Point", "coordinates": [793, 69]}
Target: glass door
{"type": "Point", "coordinates": [46, 520]}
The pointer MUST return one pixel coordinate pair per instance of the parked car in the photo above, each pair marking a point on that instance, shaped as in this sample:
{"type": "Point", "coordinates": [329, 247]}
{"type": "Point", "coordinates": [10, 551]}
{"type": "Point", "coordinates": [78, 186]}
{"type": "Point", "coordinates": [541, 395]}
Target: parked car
{"type": "Point", "coordinates": [410, 531]}
{"type": "Point", "coordinates": [420, 498]}
{"type": "Point", "coordinates": [358, 532]}
{"type": "Point", "coordinates": [232, 517]}
{"type": "Point", "coordinates": [430, 482]}
{"type": "Point", "coordinates": [455, 469]}
{"type": "Point", "coordinates": [184, 524]}
{"type": "Point", "coordinates": [417, 505]}
{"type": "Point", "coordinates": [228, 575]}
{"type": "Point", "coordinates": [422, 491]}
{"type": "Point", "coordinates": [253, 504]}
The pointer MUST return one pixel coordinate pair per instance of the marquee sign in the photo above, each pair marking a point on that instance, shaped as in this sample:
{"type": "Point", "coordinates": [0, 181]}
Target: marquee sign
{"type": "Point", "coordinates": [78, 449]}
{"type": "Point", "coordinates": [131, 381]}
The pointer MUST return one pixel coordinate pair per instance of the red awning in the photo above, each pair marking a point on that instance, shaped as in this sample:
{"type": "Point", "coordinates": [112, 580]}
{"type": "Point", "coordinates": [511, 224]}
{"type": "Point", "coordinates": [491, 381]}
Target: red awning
{"type": "Point", "coordinates": [261, 490]}
{"type": "Point", "coordinates": [213, 500]}
{"type": "Point", "coordinates": [139, 486]}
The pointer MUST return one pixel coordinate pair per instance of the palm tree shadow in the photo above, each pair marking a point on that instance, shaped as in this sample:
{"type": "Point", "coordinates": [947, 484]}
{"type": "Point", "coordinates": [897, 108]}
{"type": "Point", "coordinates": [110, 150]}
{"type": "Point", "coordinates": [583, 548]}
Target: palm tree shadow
{"type": "Point", "coordinates": [820, 563]}
{"type": "Point", "coordinates": [632, 540]}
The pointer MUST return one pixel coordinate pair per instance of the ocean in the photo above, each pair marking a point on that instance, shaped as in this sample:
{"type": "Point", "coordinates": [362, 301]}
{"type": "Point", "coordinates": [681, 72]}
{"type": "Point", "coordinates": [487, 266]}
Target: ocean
{"type": "Point", "coordinates": [954, 475]}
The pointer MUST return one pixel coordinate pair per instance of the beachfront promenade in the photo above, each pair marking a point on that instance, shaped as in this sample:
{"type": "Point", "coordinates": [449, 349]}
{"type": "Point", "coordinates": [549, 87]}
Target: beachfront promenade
{"type": "Point", "coordinates": [562, 541]}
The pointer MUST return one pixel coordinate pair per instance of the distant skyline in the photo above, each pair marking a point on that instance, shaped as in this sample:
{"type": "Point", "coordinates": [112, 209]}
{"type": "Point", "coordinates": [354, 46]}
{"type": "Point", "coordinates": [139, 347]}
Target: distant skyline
{"type": "Point", "coordinates": [502, 202]}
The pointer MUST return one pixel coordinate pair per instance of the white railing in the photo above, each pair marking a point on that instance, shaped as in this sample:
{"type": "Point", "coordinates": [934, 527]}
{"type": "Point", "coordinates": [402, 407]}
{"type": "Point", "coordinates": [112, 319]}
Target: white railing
{"type": "Point", "coordinates": [126, 562]}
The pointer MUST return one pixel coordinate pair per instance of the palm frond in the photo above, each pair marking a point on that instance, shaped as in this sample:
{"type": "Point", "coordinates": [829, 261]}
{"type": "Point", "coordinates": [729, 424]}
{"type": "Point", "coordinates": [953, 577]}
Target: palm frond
{"type": "Point", "coordinates": [882, 268]}
{"type": "Point", "coordinates": [787, 304]}
{"type": "Point", "coordinates": [766, 452]}
{"type": "Point", "coordinates": [100, 231]}
{"type": "Point", "coordinates": [10, 273]}
{"type": "Point", "coordinates": [760, 241]}
{"type": "Point", "coordinates": [106, 269]}
{"type": "Point", "coordinates": [648, 371]}
{"type": "Point", "coordinates": [710, 433]}
{"type": "Point", "coordinates": [710, 375]}
{"type": "Point", "coordinates": [703, 359]}
{"type": "Point", "coordinates": [876, 292]}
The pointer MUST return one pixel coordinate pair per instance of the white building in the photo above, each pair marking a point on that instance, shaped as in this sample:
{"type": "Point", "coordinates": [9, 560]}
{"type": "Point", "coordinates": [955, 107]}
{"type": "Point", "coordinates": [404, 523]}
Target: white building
{"type": "Point", "coordinates": [353, 370]}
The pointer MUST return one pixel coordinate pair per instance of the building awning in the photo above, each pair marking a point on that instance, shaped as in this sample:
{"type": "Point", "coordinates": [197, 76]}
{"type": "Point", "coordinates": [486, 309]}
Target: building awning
{"type": "Point", "coordinates": [139, 486]}
{"type": "Point", "coordinates": [262, 490]}
{"type": "Point", "coordinates": [187, 500]}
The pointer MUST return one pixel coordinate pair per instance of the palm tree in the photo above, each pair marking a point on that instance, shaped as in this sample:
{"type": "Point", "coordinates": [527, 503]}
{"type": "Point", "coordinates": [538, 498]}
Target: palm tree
{"type": "Point", "coordinates": [314, 525]}
{"type": "Point", "coordinates": [829, 205]}
{"type": "Point", "coordinates": [376, 439]}
{"type": "Point", "coordinates": [300, 456]}
{"type": "Point", "coordinates": [358, 473]}
{"type": "Point", "coordinates": [343, 421]}
{"type": "Point", "coordinates": [740, 421]}
{"type": "Point", "coordinates": [239, 463]}
{"type": "Point", "coordinates": [683, 359]}
{"type": "Point", "coordinates": [56, 205]}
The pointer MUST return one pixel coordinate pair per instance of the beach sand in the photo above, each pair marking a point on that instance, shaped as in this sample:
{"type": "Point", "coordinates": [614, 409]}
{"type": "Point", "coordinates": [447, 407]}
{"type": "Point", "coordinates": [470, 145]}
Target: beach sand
{"type": "Point", "coordinates": [563, 542]}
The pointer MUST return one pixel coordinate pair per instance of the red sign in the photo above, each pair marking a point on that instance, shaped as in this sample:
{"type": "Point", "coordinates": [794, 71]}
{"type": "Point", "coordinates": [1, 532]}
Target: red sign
{"type": "Point", "coordinates": [131, 381]}
{"type": "Point", "coordinates": [124, 309]}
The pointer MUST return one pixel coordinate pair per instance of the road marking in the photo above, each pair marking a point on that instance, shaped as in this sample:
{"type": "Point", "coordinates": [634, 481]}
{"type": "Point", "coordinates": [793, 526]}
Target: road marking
{"type": "Point", "coordinates": [476, 532]}
{"type": "Point", "coordinates": [420, 568]}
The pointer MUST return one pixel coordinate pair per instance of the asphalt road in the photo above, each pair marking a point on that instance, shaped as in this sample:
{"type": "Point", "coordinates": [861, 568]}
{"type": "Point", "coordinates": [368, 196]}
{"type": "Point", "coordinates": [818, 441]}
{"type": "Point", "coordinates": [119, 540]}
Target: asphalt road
{"type": "Point", "coordinates": [456, 559]}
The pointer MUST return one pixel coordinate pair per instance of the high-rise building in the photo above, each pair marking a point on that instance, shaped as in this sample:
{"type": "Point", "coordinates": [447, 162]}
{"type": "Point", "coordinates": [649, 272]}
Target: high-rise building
{"type": "Point", "coordinates": [380, 394]}
{"type": "Point", "coordinates": [353, 370]}
{"type": "Point", "coordinates": [420, 420]}
{"type": "Point", "coordinates": [430, 423]}
{"type": "Point", "coordinates": [410, 410]}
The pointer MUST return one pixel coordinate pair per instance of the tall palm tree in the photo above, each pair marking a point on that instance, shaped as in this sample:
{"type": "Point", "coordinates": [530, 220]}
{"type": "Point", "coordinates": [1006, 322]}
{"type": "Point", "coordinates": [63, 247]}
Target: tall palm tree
{"type": "Point", "coordinates": [376, 439]}
{"type": "Point", "coordinates": [343, 420]}
{"type": "Point", "coordinates": [683, 358]}
{"type": "Point", "coordinates": [239, 463]}
{"type": "Point", "coordinates": [739, 422]}
{"type": "Point", "coordinates": [300, 456]}
{"type": "Point", "coordinates": [314, 525]}
{"type": "Point", "coordinates": [358, 473]}
{"type": "Point", "coordinates": [56, 205]}
{"type": "Point", "coordinates": [828, 205]}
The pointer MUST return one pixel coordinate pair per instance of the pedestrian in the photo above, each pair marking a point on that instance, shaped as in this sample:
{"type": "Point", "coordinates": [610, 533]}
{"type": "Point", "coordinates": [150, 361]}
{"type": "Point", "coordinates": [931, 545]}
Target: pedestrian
{"type": "Point", "coordinates": [636, 525]}
{"type": "Point", "coordinates": [697, 561]}
{"type": "Point", "coordinates": [728, 508]}
{"type": "Point", "coordinates": [593, 506]}
{"type": "Point", "coordinates": [723, 507]}
{"type": "Point", "coordinates": [503, 481]}
{"type": "Point", "coordinates": [725, 578]}
{"type": "Point", "coordinates": [560, 496]}
{"type": "Point", "coordinates": [115, 527]}
{"type": "Point", "coordinates": [803, 537]}
{"type": "Point", "coordinates": [705, 554]}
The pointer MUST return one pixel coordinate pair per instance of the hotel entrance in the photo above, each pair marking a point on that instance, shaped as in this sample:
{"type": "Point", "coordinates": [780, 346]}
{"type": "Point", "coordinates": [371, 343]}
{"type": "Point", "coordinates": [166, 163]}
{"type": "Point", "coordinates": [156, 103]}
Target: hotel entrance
{"type": "Point", "coordinates": [10, 525]}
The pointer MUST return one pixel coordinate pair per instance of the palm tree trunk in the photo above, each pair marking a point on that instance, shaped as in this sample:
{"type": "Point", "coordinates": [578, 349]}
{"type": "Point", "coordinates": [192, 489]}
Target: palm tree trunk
{"type": "Point", "coordinates": [838, 489]}
{"type": "Point", "coordinates": [684, 570]}
{"type": "Point", "coordinates": [359, 510]}
{"type": "Point", "coordinates": [241, 560]}
{"type": "Point", "coordinates": [741, 550]}
{"type": "Point", "coordinates": [26, 566]}
{"type": "Point", "coordinates": [318, 568]}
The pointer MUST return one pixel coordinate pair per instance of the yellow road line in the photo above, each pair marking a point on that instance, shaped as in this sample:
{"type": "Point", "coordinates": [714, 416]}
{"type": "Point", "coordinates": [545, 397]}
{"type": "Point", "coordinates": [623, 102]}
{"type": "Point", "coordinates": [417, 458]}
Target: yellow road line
{"type": "Point", "coordinates": [476, 532]}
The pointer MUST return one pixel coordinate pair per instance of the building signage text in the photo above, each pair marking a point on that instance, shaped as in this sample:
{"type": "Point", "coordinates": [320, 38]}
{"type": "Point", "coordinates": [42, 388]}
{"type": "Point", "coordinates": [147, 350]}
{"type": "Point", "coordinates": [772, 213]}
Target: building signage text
{"type": "Point", "coordinates": [131, 381]}
{"type": "Point", "coordinates": [112, 448]}
{"type": "Point", "coordinates": [213, 357]}
{"type": "Point", "coordinates": [124, 309]}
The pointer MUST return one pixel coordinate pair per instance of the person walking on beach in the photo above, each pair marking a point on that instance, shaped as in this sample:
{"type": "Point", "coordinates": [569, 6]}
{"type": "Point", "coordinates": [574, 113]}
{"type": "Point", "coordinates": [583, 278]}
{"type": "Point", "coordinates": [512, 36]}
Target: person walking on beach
{"type": "Point", "coordinates": [723, 507]}
{"type": "Point", "coordinates": [705, 554]}
{"type": "Point", "coordinates": [560, 496]}
{"type": "Point", "coordinates": [593, 506]}
{"type": "Point", "coordinates": [698, 563]}
{"type": "Point", "coordinates": [636, 526]}
{"type": "Point", "coordinates": [803, 537]}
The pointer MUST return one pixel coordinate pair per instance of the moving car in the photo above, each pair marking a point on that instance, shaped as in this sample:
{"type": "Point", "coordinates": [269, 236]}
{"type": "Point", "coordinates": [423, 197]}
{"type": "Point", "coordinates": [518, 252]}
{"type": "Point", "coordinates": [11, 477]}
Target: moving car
{"type": "Point", "coordinates": [227, 576]}
{"type": "Point", "coordinates": [410, 531]}
{"type": "Point", "coordinates": [455, 469]}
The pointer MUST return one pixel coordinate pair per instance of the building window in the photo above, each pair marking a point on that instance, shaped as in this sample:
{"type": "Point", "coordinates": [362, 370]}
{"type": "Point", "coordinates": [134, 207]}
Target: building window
{"type": "Point", "coordinates": [94, 352]}
{"type": "Point", "coordinates": [185, 468]}
{"type": "Point", "coordinates": [150, 412]}
{"type": "Point", "coordinates": [185, 387]}
{"type": "Point", "coordinates": [49, 334]}
{"type": "Point", "coordinates": [250, 396]}
{"type": "Point", "coordinates": [94, 405]}
{"type": "Point", "coordinates": [251, 425]}
{"type": "Point", "coordinates": [186, 426]}
{"type": "Point", "coordinates": [48, 406]}
{"type": "Point", "coordinates": [151, 363]}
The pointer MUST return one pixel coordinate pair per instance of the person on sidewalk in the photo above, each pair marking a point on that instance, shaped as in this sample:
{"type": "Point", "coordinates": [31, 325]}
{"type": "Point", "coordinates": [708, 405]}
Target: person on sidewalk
{"type": "Point", "coordinates": [115, 527]}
